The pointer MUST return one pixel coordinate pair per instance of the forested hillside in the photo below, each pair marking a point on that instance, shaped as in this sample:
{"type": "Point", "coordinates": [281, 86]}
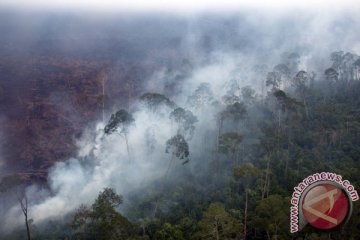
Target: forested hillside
{"type": "Point", "coordinates": [173, 127]}
{"type": "Point", "coordinates": [259, 149]}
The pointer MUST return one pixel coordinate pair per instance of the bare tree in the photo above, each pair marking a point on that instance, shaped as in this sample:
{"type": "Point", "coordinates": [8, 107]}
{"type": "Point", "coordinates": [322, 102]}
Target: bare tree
{"type": "Point", "coordinates": [16, 183]}
{"type": "Point", "coordinates": [24, 208]}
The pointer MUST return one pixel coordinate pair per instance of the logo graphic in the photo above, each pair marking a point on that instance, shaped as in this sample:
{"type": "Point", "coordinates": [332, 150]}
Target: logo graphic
{"type": "Point", "coordinates": [325, 206]}
{"type": "Point", "coordinates": [322, 200]}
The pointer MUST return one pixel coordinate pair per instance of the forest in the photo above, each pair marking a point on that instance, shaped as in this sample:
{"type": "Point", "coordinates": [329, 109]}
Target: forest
{"type": "Point", "coordinates": [173, 129]}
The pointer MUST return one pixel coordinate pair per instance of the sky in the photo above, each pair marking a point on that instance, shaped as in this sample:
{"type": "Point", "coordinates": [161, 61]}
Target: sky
{"type": "Point", "coordinates": [178, 6]}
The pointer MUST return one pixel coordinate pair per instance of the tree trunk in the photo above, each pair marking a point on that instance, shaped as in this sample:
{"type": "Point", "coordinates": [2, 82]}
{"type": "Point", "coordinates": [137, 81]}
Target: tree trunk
{"type": "Point", "coordinates": [166, 175]}
{"type": "Point", "coordinates": [24, 208]}
{"type": "Point", "coordinates": [27, 227]}
{"type": "Point", "coordinates": [306, 108]}
{"type": "Point", "coordinates": [267, 181]}
{"type": "Point", "coordinates": [127, 146]}
{"type": "Point", "coordinates": [217, 230]}
{"type": "Point", "coordinates": [245, 212]}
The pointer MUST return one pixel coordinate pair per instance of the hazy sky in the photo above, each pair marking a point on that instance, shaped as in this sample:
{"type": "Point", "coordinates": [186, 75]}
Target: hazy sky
{"type": "Point", "coordinates": [181, 6]}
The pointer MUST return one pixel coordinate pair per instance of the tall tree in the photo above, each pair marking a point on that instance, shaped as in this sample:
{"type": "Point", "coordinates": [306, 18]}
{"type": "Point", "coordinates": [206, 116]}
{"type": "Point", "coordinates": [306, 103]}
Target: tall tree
{"type": "Point", "coordinates": [273, 80]}
{"type": "Point", "coordinates": [202, 97]}
{"type": "Point", "coordinates": [234, 112]}
{"type": "Point", "coordinates": [248, 95]}
{"type": "Point", "coordinates": [101, 220]}
{"type": "Point", "coordinates": [218, 224]}
{"type": "Point", "coordinates": [120, 122]}
{"type": "Point", "coordinates": [16, 182]}
{"type": "Point", "coordinates": [301, 83]}
{"type": "Point", "coordinates": [185, 120]}
{"type": "Point", "coordinates": [284, 73]}
{"type": "Point", "coordinates": [229, 144]}
{"type": "Point", "coordinates": [273, 216]}
{"type": "Point", "coordinates": [155, 101]}
{"type": "Point", "coordinates": [246, 173]}
{"type": "Point", "coordinates": [332, 75]}
{"type": "Point", "coordinates": [178, 148]}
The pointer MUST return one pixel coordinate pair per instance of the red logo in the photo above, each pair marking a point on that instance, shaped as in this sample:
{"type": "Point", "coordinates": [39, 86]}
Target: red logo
{"type": "Point", "coordinates": [325, 206]}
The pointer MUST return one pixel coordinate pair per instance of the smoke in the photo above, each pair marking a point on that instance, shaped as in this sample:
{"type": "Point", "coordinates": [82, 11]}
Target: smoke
{"type": "Point", "coordinates": [186, 6]}
{"type": "Point", "coordinates": [218, 50]}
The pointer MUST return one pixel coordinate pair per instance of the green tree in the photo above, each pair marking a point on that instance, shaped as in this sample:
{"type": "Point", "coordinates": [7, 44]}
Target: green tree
{"type": "Point", "coordinates": [229, 144]}
{"type": "Point", "coordinates": [101, 220]}
{"type": "Point", "coordinates": [272, 215]}
{"type": "Point", "coordinates": [246, 173]}
{"type": "Point", "coordinates": [169, 232]}
{"type": "Point", "coordinates": [177, 147]}
{"type": "Point", "coordinates": [218, 224]}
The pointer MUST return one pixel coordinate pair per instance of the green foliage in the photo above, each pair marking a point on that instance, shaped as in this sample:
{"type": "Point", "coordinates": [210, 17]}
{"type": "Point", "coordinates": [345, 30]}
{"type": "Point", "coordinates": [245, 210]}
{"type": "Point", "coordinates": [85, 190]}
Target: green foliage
{"type": "Point", "coordinates": [178, 147]}
{"type": "Point", "coordinates": [235, 111]}
{"type": "Point", "coordinates": [286, 102]}
{"type": "Point", "coordinates": [273, 216]}
{"type": "Point", "coordinates": [101, 220]}
{"type": "Point", "coordinates": [229, 142]}
{"type": "Point", "coordinates": [169, 232]}
{"type": "Point", "coordinates": [247, 173]}
{"type": "Point", "coordinates": [216, 223]}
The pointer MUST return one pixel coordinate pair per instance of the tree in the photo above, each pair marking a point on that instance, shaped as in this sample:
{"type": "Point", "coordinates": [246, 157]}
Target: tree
{"type": "Point", "coordinates": [301, 83]}
{"type": "Point", "coordinates": [273, 216]}
{"type": "Point", "coordinates": [273, 80]}
{"type": "Point", "coordinates": [234, 112]}
{"type": "Point", "coordinates": [246, 173]}
{"type": "Point", "coordinates": [356, 65]}
{"type": "Point", "coordinates": [248, 95]}
{"type": "Point", "coordinates": [229, 143]}
{"type": "Point", "coordinates": [120, 122]}
{"type": "Point", "coordinates": [150, 138]}
{"type": "Point", "coordinates": [331, 75]}
{"type": "Point", "coordinates": [16, 181]}
{"type": "Point", "coordinates": [233, 91]}
{"type": "Point", "coordinates": [177, 147]}
{"type": "Point", "coordinates": [155, 101]}
{"type": "Point", "coordinates": [185, 120]}
{"type": "Point", "coordinates": [287, 104]}
{"type": "Point", "coordinates": [169, 232]}
{"type": "Point", "coordinates": [217, 224]}
{"type": "Point", "coordinates": [203, 96]}
{"type": "Point", "coordinates": [284, 73]}
{"type": "Point", "coordinates": [101, 220]}
{"type": "Point", "coordinates": [292, 61]}
{"type": "Point", "coordinates": [261, 70]}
